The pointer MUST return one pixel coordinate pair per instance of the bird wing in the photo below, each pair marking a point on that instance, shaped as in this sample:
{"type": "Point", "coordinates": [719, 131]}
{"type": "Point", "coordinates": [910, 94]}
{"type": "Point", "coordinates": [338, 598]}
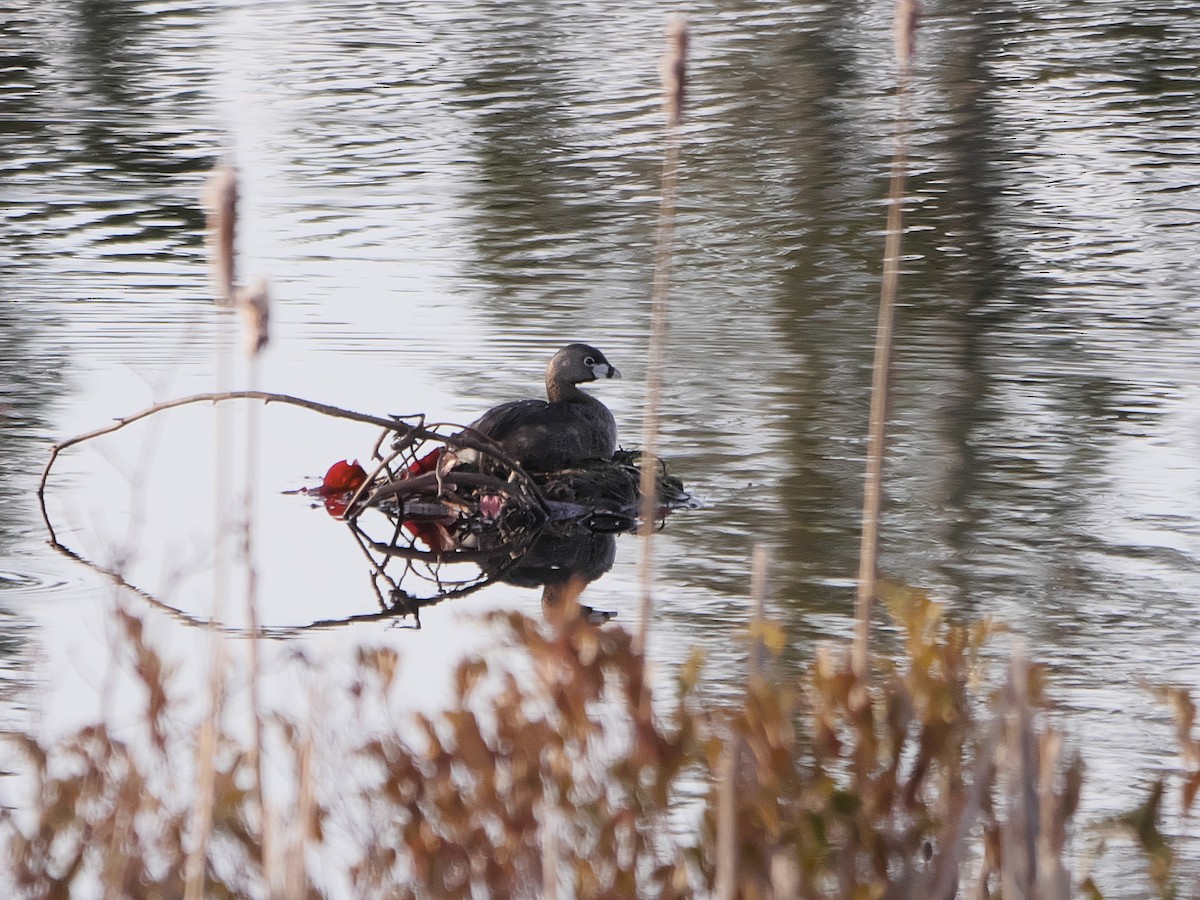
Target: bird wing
{"type": "Point", "coordinates": [500, 421]}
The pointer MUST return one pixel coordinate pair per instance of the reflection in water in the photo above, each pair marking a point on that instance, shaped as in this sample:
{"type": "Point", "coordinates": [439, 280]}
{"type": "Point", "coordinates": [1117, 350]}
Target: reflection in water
{"type": "Point", "coordinates": [447, 191]}
{"type": "Point", "coordinates": [562, 565]}
{"type": "Point", "coordinates": [454, 527]}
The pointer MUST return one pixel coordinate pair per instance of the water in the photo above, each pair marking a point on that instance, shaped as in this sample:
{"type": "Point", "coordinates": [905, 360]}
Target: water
{"type": "Point", "coordinates": [443, 194]}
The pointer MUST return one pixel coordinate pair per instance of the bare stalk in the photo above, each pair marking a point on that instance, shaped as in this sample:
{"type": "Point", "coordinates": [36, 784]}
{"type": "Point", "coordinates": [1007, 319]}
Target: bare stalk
{"type": "Point", "coordinates": [206, 752]}
{"type": "Point", "coordinates": [672, 69]}
{"type": "Point", "coordinates": [905, 28]}
{"type": "Point", "coordinates": [1020, 833]}
{"type": "Point", "coordinates": [220, 200]}
{"type": "Point", "coordinates": [255, 306]}
{"type": "Point", "coordinates": [726, 880]}
{"type": "Point", "coordinates": [295, 872]}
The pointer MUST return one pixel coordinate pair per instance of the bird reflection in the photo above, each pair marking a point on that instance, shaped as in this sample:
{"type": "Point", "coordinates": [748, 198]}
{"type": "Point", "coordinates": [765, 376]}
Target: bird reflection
{"type": "Point", "coordinates": [563, 565]}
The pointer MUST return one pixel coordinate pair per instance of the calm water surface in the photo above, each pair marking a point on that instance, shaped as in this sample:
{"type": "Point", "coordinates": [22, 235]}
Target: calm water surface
{"type": "Point", "coordinates": [443, 194]}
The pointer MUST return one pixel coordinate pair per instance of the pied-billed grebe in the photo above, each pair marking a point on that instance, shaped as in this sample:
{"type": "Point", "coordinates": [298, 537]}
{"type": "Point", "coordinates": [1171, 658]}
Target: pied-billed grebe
{"type": "Point", "coordinates": [567, 428]}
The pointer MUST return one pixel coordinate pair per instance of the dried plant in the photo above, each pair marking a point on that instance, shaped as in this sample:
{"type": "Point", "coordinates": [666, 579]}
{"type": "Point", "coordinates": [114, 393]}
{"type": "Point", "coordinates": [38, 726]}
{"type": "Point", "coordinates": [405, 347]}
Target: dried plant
{"type": "Point", "coordinates": [673, 71]}
{"type": "Point", "coordinates": [904, 24]}
{"type": "Point", "coordinates": [544, 776]}
{"type": "Point", "coordinates": [220, 202]}
{"type": "Point", "coordinates": [255, 304]}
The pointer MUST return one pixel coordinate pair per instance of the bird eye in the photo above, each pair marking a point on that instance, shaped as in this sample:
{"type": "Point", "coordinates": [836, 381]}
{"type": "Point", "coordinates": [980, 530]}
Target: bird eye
{"type": "Point", "coordinates": [590, 361]}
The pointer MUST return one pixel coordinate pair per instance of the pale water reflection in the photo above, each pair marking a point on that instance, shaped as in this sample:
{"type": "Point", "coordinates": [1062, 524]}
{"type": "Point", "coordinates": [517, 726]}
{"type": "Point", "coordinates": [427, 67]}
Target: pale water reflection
{"type": "Point", "coordinates": [442, 194]}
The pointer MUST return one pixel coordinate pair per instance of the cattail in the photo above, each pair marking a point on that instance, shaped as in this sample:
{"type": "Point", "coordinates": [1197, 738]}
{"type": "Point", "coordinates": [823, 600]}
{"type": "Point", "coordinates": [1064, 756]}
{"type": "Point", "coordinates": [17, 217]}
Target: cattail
{"type": "Point", "coordinates": [255, 304]}
{"type": "Point", "coordinates": [908, 14]}
{"type": "Point", "coordinates": [220, 206]}
{"type": "Point", "coordinates": [673, 69]}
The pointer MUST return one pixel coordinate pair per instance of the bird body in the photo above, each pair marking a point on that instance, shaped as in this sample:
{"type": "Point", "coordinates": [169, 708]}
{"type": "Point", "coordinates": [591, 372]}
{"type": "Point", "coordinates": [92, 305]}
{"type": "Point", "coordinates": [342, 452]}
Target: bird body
{"type": "Point", "coordinates": [567, 428]}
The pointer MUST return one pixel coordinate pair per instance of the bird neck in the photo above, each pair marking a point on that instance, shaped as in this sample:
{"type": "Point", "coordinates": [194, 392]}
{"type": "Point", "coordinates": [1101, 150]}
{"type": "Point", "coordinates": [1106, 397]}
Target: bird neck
{"type": "Point", "coordinates": [563, 391]}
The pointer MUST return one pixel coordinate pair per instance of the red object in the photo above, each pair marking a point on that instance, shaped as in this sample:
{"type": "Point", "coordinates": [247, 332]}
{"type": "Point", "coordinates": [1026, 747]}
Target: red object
{"type": "Point", "coordinates": [433, 535]}
{"type": "Point", "coordinates": [342, 477]}
{"type": "Point", "coordinates": [342, 480]}
{"type": "Point", "coordinates": [426, 463]}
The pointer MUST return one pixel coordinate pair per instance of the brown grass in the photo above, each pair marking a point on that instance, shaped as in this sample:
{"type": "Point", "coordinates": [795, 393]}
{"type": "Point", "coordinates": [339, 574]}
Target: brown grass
{"type": "Point", "coordinates": [544, 776]}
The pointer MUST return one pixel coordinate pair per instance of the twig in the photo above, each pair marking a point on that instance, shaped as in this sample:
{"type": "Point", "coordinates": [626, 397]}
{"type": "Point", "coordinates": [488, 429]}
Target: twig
{"type": "Point", "coordinates": [280, 632]}
{"type": "Point", "coordinates": [463, 438]}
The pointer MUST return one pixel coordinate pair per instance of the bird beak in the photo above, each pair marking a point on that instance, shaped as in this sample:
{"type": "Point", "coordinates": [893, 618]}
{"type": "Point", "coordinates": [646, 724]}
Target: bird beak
{"type": "Point", "coordinates": [612, 372]}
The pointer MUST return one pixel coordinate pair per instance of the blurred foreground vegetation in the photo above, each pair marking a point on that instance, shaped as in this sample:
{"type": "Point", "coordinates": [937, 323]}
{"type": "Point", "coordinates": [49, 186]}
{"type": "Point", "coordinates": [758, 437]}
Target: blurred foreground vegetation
{"type": "Point", "coordinates": [554, 772]}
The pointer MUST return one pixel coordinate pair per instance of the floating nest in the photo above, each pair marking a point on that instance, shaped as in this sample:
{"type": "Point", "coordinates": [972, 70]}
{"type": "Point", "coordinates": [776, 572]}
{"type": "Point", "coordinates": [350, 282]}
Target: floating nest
{"type": "Point", "coordinates": [436, 525]}
{"type": "Point", "coordinates": [607, 492]}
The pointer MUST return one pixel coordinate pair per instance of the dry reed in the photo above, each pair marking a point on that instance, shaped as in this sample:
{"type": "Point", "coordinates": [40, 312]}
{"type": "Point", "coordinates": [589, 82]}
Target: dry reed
{"type": "Point", "coordinates": [906, 16]}
{"type": "Point", "coordinates": [673, 72]}
{"type": "Point", "coordinates": [542, 775]}
{"type": "Point", "coordinates": [220, 201]}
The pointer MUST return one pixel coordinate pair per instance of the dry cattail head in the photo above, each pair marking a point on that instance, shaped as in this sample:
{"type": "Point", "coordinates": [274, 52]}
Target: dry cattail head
{"type": "Point", "coordinates": [255, 304]}
{"type": "Point", "coordinates": [220, 206]}
{"type": "Point", "coordinates": [673, 69]}
{"type": "Point", "coordinates": [908, 15]}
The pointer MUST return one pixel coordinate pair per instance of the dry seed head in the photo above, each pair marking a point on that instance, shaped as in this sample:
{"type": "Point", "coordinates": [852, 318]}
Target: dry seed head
{"type": "Point", "coordinates": [220, 207]}
{"type": "Point", "coordinates": [908, 15]}
{"type": "Point", "coordinates": [255, 304]}
{"type": "Point", "coordinates": [673, 69]}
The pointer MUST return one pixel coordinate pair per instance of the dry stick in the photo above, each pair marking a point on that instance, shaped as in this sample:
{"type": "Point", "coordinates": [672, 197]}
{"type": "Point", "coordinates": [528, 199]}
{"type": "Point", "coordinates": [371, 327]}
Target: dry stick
{"type": "Point", "coordinates": [673, 67]}
{"type": "Point", "coordinates": [725, 887]}
{"type": "Point", "coordinates": [219, 397]}
{"type": "Point", "coordinates": [906, 17]}
{"type": "Point", "coordinates": [422, 433]}
{"type": "Point", "coordinates": [367, 482]}
{"type": "Point", "coordinates": [277, 632]}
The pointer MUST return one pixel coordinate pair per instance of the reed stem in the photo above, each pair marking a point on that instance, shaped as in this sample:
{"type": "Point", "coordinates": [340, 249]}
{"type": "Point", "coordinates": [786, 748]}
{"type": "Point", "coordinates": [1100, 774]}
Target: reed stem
{"type": "Point", "coordinates": [881, 372]}
{"type": "Point", "coordinates": [673, 68]}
